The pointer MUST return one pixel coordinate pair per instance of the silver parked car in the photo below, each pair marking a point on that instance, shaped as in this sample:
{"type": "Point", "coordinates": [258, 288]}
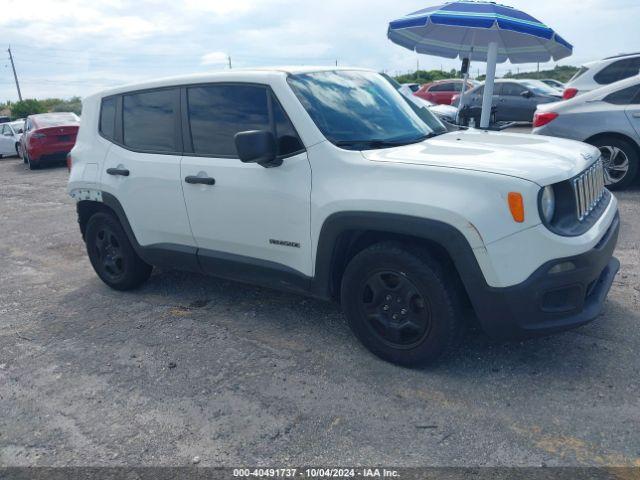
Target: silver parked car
{"type": "Point", "coordinates": [608, 118]}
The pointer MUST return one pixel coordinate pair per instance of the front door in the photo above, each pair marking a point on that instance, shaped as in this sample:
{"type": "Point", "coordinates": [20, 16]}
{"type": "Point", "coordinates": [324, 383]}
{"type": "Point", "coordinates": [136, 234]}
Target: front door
{"type": "Point", "coordinates": [7, 144]}
{"type": "Point", "coordinates": [253, 216]}
{"type": "Point", "coordinates": [633, 111]}
{"type": "Point", "coordinates": [512, 105]}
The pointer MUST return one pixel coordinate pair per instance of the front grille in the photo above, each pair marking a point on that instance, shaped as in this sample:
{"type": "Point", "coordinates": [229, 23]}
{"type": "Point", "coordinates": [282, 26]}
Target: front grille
{"type": "Point", "coordinates": [588, 188]}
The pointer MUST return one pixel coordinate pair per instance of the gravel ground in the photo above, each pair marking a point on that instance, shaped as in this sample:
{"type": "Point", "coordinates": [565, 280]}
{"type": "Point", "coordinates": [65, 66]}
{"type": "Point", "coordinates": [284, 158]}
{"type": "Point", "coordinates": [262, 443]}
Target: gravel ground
{"type": "Point", "coordinates": [194, 366]}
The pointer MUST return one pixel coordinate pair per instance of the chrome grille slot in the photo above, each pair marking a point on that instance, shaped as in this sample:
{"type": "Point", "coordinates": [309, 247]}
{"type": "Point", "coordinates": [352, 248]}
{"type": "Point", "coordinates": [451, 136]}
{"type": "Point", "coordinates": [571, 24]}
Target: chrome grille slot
{"type": "Point", "coordinates": [588, 188]}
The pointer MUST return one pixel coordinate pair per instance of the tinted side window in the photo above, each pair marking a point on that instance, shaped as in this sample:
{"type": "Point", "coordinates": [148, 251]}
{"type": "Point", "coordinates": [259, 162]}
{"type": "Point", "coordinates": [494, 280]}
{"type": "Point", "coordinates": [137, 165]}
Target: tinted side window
{"type": "Point", "coordinates": [148, 120]}
{"type": "Point", "coordinates": [442, 87]}
{"type": "Point", "coordinates": [512, 89]}
{"type": "Point", "coordinates": [218, 112]}
{"type": "Point", "coordinates": [618, 71]}
{"type": "Point", "coordinates": [108, 117]}
{"type": "Point", "coordinates": [287, 139]}
{"type": "Point", "coordinates": [625, 96]}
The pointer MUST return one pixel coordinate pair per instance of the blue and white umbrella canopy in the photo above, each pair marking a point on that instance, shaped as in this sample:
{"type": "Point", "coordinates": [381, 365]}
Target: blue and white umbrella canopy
{"type": "Point", "coordinates": [477, 30]}
{"type": "Point", "coordinates": [464, 29]}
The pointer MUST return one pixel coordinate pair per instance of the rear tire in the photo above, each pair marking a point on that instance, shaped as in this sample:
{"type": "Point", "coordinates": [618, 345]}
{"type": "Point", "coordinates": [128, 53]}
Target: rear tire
{"type": "Point", "coordinates": [401, 304]}
{"type": "Point", "coordinates": [30, 164]}
{"type": "Point", "coordinates": [112, 255]}
{"type": "Point", "coordinates": [620, 158]}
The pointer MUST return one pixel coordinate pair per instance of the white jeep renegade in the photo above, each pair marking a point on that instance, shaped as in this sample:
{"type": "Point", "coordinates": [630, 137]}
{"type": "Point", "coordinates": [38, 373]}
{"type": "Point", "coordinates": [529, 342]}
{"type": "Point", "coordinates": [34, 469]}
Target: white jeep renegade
{"type": "Point", "coordinates": [328, 183]}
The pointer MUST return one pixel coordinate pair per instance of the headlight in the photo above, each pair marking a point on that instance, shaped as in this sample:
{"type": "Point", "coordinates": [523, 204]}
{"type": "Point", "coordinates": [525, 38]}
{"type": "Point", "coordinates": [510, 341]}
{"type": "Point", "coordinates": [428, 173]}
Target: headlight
{"type": "Point", "coordinates": [547, 204]}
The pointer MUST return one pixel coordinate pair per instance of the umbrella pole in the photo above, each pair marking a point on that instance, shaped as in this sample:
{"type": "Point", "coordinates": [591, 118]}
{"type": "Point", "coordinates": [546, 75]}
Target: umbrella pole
{"type": "Point", "coordinates": [487, 98]}
{"type": "Point", "coordinates": [465, 79]}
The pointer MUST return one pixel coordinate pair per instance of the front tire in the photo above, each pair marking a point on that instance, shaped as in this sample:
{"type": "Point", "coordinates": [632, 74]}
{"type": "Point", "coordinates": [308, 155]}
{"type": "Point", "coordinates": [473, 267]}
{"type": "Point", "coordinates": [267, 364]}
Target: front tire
{"type": "Point", "coordinates": [620, 159]}
{"type": "Point", "coordinates": [401, 304]}
{"type": "Point", "coordinates": [112, 255]}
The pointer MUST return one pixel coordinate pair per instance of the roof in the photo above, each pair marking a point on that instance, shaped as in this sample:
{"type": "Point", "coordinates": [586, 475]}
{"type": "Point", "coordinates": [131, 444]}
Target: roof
{"type": "Point", "coordinates": [259, 75]}
{"type": "Point", "coordinates": [620, 55]}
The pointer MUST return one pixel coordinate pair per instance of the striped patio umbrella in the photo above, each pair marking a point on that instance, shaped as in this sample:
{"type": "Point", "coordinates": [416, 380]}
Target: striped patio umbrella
{"type": "Point", "coordinates": [481, 31]}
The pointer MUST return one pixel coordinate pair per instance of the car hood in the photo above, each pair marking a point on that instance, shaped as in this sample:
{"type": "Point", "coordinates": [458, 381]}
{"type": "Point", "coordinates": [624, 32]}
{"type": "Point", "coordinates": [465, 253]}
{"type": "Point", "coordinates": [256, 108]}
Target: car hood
{"type": "Point", "coordinates": [543, 160]}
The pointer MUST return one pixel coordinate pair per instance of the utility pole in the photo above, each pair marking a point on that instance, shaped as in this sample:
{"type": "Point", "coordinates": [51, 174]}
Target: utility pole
{"type": "Point", "coordinates": [229, 58]}
{"type": "Point", "coordinates": [15, 75]}
{"type": "Point", "coordinates": [336, 62]}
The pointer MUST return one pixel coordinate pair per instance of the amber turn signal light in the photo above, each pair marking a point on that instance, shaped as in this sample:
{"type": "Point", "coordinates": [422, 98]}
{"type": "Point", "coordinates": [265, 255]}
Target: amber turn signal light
{"type": "Point", "coordinates": [516, 205]}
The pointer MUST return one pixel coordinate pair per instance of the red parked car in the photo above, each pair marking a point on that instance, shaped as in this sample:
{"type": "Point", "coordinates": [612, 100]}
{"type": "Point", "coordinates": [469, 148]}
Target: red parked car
{"type": "Point", "coordinates": [442, 91]}
{"type": "Point", "coordinates": [48, 138]}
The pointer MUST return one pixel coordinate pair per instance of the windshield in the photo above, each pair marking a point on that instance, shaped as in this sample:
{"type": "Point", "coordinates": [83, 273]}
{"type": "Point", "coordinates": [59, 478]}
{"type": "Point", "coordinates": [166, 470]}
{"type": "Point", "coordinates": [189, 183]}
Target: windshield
{"type": "Point", "coordinates": [540, 88]}
{"type": "Point", "coordinates": [359, 110]}
{"type": "Point", "coordinates": [17, 126]}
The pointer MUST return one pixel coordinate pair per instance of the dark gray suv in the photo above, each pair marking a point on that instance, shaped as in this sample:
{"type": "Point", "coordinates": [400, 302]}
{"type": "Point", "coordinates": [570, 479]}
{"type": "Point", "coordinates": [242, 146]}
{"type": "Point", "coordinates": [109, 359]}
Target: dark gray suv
{"type": "Point", "coordinates": [515, 100]}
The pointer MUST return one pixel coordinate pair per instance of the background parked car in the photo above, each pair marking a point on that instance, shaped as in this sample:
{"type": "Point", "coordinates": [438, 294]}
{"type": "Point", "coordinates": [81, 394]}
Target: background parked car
{"type": "Point", "coordinates": [410, 87]}
{"type": "Point", "coordinates": [515, 100]}
{"type": "Point", "coordinates": [10, 134]}
{"type": "Point", "coordinates": [608, 118]}
{"type": "Point", "coordinates": [443, 112]}
{"type": "Point", "coordinates": [442, 91]}
{"type": "Point", "coordinates": [48, 137]}
{"type": "Point", "coordinates": [554, 83]}
{"type": "Point", "coordinates": [602, 72]}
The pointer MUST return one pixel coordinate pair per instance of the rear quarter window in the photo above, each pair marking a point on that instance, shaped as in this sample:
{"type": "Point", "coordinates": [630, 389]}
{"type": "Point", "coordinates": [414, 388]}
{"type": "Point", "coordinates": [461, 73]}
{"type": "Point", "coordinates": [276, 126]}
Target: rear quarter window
{"type": "Point", "coordinates": [108, 118]}
{"type": "Point", "coordinates": [626, 96]}
{"type": "Point", "coordinates": [618, 70]}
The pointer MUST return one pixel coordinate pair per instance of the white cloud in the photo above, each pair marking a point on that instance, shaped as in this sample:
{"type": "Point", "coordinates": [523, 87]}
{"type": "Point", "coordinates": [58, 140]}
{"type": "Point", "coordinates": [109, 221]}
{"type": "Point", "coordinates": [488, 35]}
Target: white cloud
{"type": "Point", "coordinates": [214, 58]}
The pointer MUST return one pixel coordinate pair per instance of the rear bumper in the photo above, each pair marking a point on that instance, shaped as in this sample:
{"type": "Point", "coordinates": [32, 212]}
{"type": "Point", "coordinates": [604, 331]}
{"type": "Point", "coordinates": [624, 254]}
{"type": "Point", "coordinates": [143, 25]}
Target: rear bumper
{"type": "Point", "coordinates": [551, 302]}
{"type": "Point", "coordinates": [53, 153]}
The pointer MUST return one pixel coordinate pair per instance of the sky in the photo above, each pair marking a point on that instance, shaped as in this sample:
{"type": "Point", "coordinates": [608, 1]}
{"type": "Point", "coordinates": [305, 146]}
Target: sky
{"type": "Point", "coordinates": [73, 47]}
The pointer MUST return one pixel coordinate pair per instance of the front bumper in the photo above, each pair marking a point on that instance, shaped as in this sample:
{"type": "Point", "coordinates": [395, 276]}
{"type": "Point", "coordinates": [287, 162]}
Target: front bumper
{"type": "Point", "coordinates": [552, 302]}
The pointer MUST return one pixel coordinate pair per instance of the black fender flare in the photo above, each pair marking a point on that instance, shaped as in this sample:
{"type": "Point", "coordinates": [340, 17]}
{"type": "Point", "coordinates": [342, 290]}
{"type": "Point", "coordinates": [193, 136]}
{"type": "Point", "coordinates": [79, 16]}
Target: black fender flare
{"type": "Point", "coordinates": [446, 236]}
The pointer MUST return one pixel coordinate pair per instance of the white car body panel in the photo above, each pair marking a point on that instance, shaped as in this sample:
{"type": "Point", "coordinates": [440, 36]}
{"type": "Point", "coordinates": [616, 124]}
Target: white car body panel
{"type": "Point", "coordinates": [460, 178]}
{"type": "Point", "coordinates": [251, 206]}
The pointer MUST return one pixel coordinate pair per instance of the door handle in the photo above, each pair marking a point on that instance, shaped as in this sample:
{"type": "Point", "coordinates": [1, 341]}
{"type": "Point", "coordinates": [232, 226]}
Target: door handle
{"type": "Point", "coordinates": [636, 115]}
{"type": "Point", "coordinates": [123, 172]}
{"type": "Point", "coordinates": [195, 180]}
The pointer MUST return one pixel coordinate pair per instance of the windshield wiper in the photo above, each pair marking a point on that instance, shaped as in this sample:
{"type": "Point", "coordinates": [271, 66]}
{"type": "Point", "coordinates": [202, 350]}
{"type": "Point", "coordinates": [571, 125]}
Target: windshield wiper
{"type": "Point", "coordinates": [379, 143]}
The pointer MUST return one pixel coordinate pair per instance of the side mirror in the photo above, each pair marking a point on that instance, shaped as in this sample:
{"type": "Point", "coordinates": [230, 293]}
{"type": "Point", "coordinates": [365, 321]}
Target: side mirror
{"type": "Point", "coordinates": [257, 146]}
{"type": "Point", "coordinates": [527, 94]}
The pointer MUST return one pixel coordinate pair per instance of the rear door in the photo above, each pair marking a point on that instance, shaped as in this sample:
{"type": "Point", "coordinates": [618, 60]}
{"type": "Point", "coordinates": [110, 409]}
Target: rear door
{"type": "Point", "coordinates": [142, 168]}
{"type": "Point", "coordinates": [252, 215]}
{"type": "Point", "coordinates": [444, 92]}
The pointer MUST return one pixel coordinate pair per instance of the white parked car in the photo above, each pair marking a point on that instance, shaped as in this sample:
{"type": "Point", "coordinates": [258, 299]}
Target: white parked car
{"type": "Point", "coordinates": [328, 183]}
{"type": "Point", "coordinates": [602, 72]}
{"type": "Point", "coordinates": [10, 134]}
{"type": "Point", "coordinates": [409, 88]}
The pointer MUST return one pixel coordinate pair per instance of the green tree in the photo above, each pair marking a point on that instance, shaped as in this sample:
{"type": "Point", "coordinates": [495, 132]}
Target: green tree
{"type": "Point", "coordinates": [27, 107]}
